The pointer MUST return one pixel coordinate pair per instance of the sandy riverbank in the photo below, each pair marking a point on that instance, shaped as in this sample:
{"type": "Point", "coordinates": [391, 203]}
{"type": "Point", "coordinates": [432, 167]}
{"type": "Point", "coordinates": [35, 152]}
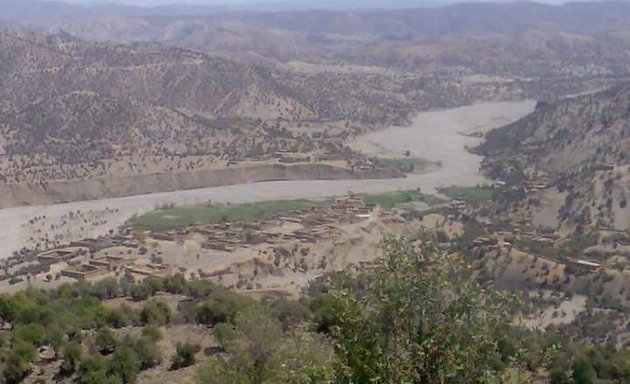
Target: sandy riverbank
{"type": "Point", "coordinates": [435, 136]}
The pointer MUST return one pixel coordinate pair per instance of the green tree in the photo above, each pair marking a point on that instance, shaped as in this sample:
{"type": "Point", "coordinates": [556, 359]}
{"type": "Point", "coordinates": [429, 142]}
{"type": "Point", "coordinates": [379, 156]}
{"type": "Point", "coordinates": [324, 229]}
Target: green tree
{"type": "Point", "coordinates": [152, 333]}
{"type": "Point", "coordinates": [184, 355]}
{"type": "Point", "coordinates": [261, 353]}
{"type": "Point", "coordinates": [56, 338]}
{"type": "Point", "coordinates": [7, 308]}
{"type": "Point", "coordinates": [583, 371]}
{"type": "Point", "coordinates": [16, 365]}
{"type": "Point", "coordinates": [175, 284]}
{"type": "Point", "coordinates": [140, 292]}
{"type": "Point", "coordinates": [155, 284]}
{"type": "Point", "coordinates": [419, 317]}
{"type": "Point", "coordinates": [93, 370]}
{"type": "Point", "coordinates": [118, 317]}
{"type": "Point", "coordinates": [30, 333]}
{"type": "Point", "coordinates": [221, 306]}
{"type": "Point", "coordinates": [147, 352]}
{"type": "Point", "coordinates": [107, 288]}
{"type": "Point", "coordinates": [288, 312]}
{"type": "Point", "coordinates": [124, 365]}
{"type": "Point", "coordinates": [156, 312]}
{"type": "Point", "coordinates": [71, 354]}
{"type": "Point", "coordinates": [105, 341]}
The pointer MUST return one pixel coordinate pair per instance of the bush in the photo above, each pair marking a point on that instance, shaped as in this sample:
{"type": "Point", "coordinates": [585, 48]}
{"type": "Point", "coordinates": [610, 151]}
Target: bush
{"type": "Point", "coordinates": [146, 352]}
{"type": "Point", "coordinates": [430, 295]}
{"type": "Point", "coordinates": [105, 341]}
{"type": "Point", "coordinates": [31, 333]}
{"type": "Point", "coordinates": [93, 370]}
{"type": "Point", "coordinates": [155, 284]}
{"type": "Point", "coordinates": [16, 365]}
{"type": "Point", "coordinates": [118, 317]}
{"type": "Point", "coordinates": [184, 355]}
{"type": "Point", "coordinates": [140, 292]}
{"type": "Point", "coordinates": [105, 289]}
{"type": "Point", "coordinates": [198, 289]}
{"type": "Point", "coordinates": [288, 312]}
{"type": "Point", "coordinates": [123, 364]}
{"type": "Point", "coordinates": [175, 284]}
{"type": "Point", "coordinates": [260, 352]}
{"type": "Point", "coordinates": [221, 306]}
{"type": "Point", "coordinates": [72, 354]}
{"type": "Point", "coordinates": [152, 333]}
{"type": "Point", "coordinates": [156, 312]}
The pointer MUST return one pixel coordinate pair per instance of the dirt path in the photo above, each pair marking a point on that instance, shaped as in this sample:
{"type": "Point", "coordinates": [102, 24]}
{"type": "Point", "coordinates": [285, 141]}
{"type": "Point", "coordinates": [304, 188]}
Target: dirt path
{"type": "Point", "coordinates": [434, 136]}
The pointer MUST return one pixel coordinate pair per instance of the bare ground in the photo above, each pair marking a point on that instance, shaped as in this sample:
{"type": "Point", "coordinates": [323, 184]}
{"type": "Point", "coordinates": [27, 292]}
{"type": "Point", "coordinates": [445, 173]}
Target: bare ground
{"type": "Point", "coordinates": [435, 136]}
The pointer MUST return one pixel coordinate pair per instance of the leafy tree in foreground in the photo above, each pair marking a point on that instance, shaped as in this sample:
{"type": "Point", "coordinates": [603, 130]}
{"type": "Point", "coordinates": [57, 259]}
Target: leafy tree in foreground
{"type": "Point", "coordinates": [419, 318]}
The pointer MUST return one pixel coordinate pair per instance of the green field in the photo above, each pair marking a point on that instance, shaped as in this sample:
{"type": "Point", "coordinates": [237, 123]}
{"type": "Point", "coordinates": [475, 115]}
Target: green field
{"type": "Point", "coordinates": [468, 194]}
{"type": "Point", "coordinates": [390, 199]}
{"type": "Point", "coordinates": [405, 164]}
{"type": "Point", "coordinates": [181, 217]}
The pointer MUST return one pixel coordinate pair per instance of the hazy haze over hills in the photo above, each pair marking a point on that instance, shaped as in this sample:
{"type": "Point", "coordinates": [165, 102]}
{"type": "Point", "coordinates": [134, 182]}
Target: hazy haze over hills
{"type": "Point", "coordinates": [219, 6]}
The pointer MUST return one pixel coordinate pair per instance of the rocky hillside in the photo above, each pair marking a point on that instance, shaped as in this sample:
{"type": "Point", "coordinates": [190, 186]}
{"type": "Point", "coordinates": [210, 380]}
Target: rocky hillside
{"type": "Point", "coordinates": [577, 131]}
{"type": "Point", "coordinates": [577, 147]}
{"type": "Point", "coordinates": [528, 39]}
{"type": "Point", "coordinates": [102, 99]}
{"type": "Point", "coordinates": [75, 101]}
{"type": "Point", "coordinates": [36, 68]}
{"type": "Point", "coordinates": [97, 127]}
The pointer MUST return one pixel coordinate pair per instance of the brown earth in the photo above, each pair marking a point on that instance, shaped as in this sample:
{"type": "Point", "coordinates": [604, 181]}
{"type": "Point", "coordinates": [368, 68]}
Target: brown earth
{"type": "Point", "coordinates": [12, 195]}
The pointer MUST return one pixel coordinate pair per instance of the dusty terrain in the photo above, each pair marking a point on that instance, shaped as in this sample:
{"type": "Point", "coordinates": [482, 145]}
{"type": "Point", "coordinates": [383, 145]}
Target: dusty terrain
{"type": "Point", "coordinates": [461, 169]}
{"type": "Point", "coordinates": [572, 158]}
{"type": "Point", "coordinates": [120, 186]}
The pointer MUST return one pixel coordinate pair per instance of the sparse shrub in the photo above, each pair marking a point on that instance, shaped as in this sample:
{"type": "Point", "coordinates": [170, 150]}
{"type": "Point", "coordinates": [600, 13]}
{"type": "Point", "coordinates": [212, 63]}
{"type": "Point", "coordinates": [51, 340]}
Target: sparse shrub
{"type": "Point", "coordinates": [184, 355]}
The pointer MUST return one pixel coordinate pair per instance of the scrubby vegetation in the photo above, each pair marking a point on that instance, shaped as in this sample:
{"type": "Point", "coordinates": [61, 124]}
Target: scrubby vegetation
{"type": "Point", "coordinates": [418, 317]}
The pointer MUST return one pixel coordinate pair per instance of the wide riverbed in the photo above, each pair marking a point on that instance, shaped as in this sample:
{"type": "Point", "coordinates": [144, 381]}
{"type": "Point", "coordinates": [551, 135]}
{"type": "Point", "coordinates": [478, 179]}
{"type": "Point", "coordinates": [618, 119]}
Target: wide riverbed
{"type": "Point", "coordinates": [435, 136]}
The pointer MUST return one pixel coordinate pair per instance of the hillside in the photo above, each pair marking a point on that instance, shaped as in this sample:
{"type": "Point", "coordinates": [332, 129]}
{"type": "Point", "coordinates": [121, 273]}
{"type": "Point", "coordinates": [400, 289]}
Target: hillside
{"type": "Point", "coordinates": [565, 135]}
{"type": "Point", "coordinates": [466, 18]}
{"type": "Point", "coordinates": [36, 67]}
{"type": "Point", "coordinates": [528, 39]}
{"type": "Point", "coordinates": [113, 91]}
{"type": "Point", "coordinates": [576, 150]}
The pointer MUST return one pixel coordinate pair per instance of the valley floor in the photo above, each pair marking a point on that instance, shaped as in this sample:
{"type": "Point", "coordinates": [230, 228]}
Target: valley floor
{"type": "Point", "coordinates": [437, 136]}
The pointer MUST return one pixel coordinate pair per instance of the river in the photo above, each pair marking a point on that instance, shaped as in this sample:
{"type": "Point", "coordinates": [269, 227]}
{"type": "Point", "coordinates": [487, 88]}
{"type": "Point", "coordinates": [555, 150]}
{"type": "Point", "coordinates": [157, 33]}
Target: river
{"type": "Point", "coordinates": [435, 136]}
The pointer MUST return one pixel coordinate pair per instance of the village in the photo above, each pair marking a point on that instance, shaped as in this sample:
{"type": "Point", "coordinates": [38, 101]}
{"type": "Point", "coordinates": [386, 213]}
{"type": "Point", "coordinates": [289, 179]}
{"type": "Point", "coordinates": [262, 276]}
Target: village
{"type": "Point", "coordinates": [135, 253]}
{"type": "Point", "coordinates": [284, 251]}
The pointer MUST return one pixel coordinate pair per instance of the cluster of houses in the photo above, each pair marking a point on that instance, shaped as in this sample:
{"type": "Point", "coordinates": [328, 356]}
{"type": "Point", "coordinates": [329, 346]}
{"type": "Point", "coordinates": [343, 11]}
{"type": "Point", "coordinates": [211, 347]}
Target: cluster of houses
{"type": "Point", "coordinates": [76, 262]}
{"type": "Point", "coordinates": [313, 225]}
{"type": "Point", "coordinates": [502, 240]}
